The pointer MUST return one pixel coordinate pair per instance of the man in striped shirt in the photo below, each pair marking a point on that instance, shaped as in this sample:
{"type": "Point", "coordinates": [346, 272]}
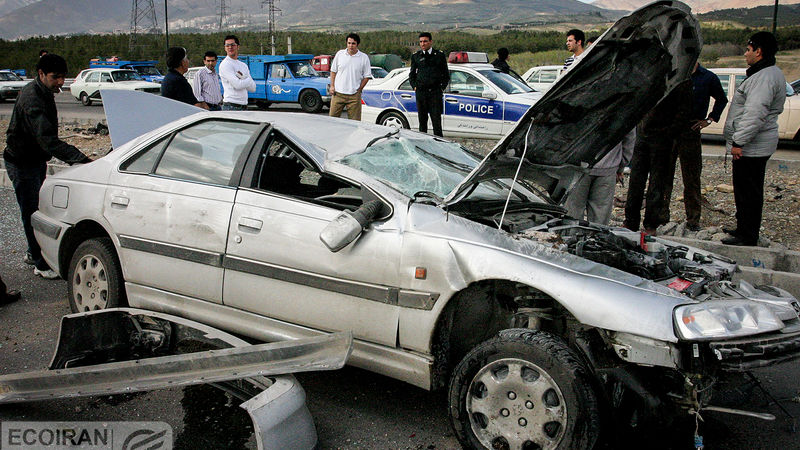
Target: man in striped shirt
{"type": "Point", "coordinates": [206, 83]}
{"type": "Point", "coordinates": [575, 40]}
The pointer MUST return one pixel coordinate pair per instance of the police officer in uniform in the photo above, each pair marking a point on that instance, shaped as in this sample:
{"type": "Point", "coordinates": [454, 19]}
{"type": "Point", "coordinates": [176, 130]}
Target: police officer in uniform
{"type": "Point", "coordinates": [429, 77]}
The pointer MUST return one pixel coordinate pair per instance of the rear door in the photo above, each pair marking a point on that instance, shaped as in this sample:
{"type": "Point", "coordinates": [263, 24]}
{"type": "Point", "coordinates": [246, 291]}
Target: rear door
{"type": "Point", "coordinates": [170, 205]}
{"type": "Point", "coordinates": [466, 111]}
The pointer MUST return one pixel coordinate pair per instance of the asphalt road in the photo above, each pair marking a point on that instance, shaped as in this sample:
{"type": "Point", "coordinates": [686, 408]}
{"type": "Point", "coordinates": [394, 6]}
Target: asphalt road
{"type": "Point", "coordinates": [352, 408]}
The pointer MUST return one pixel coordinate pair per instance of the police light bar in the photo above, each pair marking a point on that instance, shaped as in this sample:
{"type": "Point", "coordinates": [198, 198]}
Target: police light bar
{"type": "Point", "coordinates": [468, 57]}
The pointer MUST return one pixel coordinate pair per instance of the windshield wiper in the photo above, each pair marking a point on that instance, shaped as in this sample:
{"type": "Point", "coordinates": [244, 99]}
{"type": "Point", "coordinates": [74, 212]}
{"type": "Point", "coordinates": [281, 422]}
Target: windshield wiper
{"type": "Point", "coordinates": [430, 196]}
{"type": "Point", "coordinates": [387, 135]}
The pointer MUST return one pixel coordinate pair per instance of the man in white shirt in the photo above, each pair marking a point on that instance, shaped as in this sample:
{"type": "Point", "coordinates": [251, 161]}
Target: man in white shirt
{"type": "Point", "coordinates": [350, 71]}
{"type": "Point", "coordinates": [235, 76]}
{"type": "Point", "coordinates": [206, 83]}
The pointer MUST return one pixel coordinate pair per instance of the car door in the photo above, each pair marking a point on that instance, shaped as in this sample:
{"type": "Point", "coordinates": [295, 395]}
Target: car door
{"type": "Point", "coordinates": [169, 206]}
{"type": "Point", "coordinates": [281, 86]}
{"type": "Point", "coordinates": [466, 111]}
{"type": "Point", "coordinates": [277, 266]}
{"type": "Point", "coordinates": [93, 84]}
{"type": "Point", "coordinates": [405, 96]}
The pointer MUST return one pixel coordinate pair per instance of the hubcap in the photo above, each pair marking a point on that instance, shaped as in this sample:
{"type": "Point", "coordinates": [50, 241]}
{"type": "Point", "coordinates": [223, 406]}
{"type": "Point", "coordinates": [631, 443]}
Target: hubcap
{"type": "Point", "coordinates": [89, 284]}
{"type": "Point", "coordinates": [513, 403]}
{"type": "Point", "coordinates": [393, 121]}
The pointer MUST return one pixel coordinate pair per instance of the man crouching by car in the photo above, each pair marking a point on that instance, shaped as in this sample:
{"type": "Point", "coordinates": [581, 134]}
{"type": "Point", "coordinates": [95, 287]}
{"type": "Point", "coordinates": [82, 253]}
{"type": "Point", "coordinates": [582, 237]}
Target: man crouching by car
{"type": "Point", "coordinates": [31, 140]}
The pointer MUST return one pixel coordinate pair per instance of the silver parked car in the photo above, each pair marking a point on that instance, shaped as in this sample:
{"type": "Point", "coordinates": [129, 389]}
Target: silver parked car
{"type": "Point", "coordinates": [451, 270]}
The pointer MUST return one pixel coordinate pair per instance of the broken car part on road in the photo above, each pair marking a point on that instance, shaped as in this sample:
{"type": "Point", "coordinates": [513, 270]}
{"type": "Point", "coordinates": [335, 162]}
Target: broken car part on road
{"type": "Point", "coordinates": [125, 350]}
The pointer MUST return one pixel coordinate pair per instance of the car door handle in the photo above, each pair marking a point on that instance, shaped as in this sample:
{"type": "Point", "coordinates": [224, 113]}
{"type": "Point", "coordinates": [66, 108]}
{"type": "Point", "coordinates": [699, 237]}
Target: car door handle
{"type": "Point", "coordinates": [119, 202]}
{"type": "Point", "coordinates": [252, 225]}
{"type": "Point", "coordinates": [451, 100]}
{"type": "Point", "coordinates": [405, 95]}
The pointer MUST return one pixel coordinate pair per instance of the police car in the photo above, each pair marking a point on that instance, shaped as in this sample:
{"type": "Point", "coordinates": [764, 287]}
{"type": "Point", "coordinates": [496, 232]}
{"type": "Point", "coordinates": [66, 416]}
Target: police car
{"type": "Point", "coordinates": [479, 102]}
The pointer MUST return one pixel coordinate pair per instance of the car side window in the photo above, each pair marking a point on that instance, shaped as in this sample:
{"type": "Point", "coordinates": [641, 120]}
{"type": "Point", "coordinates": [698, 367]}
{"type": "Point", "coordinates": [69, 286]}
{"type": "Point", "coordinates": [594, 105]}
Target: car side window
{"type": "Point", "coordinates": [284, 170]}
{"type": "Point", "coordinates": [725, 81]}
{"type": "Point", "coordinates": [105, 78]}
{"type": "Point", "coordinates": [144, 160]}
{"type": "Point", "coordinates": [405, 86]}
{"type": "Point", "coordinates": [548, 76]}
{"type": "Point", "coordinates": [93, 77]}
{"type": "Point", "coordinates": [206, 152]}
{"type": "Point", "coordinates": [739, 79]}
{"type": "Point", "coordinates": [465, 84]}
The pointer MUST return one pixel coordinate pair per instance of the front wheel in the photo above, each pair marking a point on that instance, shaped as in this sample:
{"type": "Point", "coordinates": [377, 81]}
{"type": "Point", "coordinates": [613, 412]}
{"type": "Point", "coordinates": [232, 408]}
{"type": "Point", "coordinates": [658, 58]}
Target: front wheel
{"type": "Point", "coordinates": [85, 100]}
{"type": "Point", "coordinates": [523, 389]}
{"type": "Point", "coordinates": [95, 277]}
{"type": "Point", "coordinates": [311, 101]}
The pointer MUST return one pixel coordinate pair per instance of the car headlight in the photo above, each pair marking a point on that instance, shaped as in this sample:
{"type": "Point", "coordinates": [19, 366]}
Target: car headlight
{"type": "Point", "coordinates": [725, 319]}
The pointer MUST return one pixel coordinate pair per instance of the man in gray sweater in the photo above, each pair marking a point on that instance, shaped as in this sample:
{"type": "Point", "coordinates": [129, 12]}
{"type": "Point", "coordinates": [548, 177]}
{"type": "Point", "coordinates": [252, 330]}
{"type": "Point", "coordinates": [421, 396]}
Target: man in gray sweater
{"type": "Point", "coordinates": [594, 192]}
{"type": "Point", "coordinates": [751, 134]}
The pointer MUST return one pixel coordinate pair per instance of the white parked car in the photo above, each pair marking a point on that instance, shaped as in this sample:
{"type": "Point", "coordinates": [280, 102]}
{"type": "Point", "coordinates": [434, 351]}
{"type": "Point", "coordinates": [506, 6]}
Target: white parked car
{"type": "Point", "coordinates": [479, 102]}
{"type": "Point", "coordinates": [190, 74]}
{"type": "Point", "coordinates": [88, 83]}
{"type": "Point", "coordinates": [542, 78]}
{"type": "Point", "coordinates": [788, 121]}
{"type": "Point", "coordinates": [10, 85]}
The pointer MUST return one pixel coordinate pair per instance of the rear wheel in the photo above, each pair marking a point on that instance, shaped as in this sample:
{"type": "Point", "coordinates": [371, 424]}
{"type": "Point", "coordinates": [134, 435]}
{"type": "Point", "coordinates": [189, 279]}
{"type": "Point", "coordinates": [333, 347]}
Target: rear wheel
{"type": "Point", "coordinates": [95, 277]}
{"type": "Point", "coordinates": [523, 389]}
{"type": "Point", "coordinates": [85, 100]}
{"type": "Point", "coordinates": [310, 101]}
{"type": "Point", "coordinates": [394, 119]}
{"type": "Point", "coordinates": [262, 104]}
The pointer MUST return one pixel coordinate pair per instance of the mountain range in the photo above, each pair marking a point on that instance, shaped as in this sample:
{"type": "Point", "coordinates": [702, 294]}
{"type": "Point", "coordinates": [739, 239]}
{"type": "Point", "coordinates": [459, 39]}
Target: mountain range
{"type": "Point", "coordinates": [27, 18]}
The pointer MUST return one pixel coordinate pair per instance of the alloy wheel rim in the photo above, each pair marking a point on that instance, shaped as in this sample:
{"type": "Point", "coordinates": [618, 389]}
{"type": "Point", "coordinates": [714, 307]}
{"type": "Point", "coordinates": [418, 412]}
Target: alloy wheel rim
{"type": "Point", "coordinates": [514, 403]}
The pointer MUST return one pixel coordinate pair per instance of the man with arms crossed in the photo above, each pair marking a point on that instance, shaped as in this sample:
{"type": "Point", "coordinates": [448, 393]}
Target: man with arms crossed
{"type": "Point", "coordinates": [350, 71]}
{"type": "Point", "coordinates": [751, 134]}
{"type": "Point", "coordinates": [206, 83]}
{"type": "Point", "coordinates": [235, 76]}
{"type": "Point", "coordinates": [32, 139]}
{"type": "Point", "coordinates": [429, 77]}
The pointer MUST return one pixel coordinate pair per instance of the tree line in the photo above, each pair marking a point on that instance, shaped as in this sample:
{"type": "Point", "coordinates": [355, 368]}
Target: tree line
{"type": "Point", "coordinates": [78, 49]}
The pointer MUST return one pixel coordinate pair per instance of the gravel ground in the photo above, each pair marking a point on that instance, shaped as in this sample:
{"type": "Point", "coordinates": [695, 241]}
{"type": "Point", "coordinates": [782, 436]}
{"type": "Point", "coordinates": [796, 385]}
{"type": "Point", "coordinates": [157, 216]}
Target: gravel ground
{"type": "Point", "coordinates": [781, 218]}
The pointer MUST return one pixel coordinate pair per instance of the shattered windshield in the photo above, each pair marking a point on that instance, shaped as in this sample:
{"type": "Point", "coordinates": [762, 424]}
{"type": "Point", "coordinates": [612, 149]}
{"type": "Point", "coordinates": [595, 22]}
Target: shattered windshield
{"type": "Point", "coordinates": [413, 166]}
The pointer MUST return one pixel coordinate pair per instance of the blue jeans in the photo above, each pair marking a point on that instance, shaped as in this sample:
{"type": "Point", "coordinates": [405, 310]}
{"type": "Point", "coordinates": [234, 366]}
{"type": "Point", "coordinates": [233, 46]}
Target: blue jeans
{"type": "Point", "coordinates": [233, 107]}
{"type": "Point", "coordinates": [27, 181]}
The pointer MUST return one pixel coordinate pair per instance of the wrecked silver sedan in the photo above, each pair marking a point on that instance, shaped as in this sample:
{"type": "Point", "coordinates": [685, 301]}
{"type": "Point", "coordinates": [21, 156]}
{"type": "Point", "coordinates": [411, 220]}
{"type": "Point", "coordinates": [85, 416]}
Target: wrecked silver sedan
{"type": "Point", "coordinates": [450, 269]}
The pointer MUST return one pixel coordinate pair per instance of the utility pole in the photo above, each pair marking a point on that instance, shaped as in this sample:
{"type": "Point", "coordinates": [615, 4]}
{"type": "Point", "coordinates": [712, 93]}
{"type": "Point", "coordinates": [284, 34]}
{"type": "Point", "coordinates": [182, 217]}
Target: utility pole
{"type": "Point", "coordinates": [775, 17]}
{"type": "Point", "coordinates": [271, 9]}
{"type": "Point", "coordinates": [166, 23]}
{"type": "Point", "coordinates": [223, 14]}
{"type": "Point", "coordinates": [143, 20]}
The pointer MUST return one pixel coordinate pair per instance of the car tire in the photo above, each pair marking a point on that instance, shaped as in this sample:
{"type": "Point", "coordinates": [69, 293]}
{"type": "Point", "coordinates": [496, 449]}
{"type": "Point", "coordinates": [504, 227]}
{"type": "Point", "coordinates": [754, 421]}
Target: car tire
{"type": "Point", "coordinates": [262, 105]}
{"type": "Point", "coordinates": [85, 100]}
{"type": "Point", "coordinates": [394, 119]}
{"type": "Point", "coordinates": [310, 101]}
{"type": "Point", "coordinates": [523, 389]}
{"type": "Point", "coordinates": [94, 280]}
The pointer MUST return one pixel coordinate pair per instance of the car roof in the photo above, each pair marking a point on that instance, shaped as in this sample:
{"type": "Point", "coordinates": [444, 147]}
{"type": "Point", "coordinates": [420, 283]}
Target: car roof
{"type": "Point", "coordinates": [729, 70]}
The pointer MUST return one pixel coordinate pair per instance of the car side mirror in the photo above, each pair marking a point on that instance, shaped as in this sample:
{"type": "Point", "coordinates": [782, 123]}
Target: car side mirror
{"type": "Point", "coordinates": [489, 94]}
{"type": "Point", "coordinates": [347, 226]}
{"type": "Point", "coordinates": [282, 72]}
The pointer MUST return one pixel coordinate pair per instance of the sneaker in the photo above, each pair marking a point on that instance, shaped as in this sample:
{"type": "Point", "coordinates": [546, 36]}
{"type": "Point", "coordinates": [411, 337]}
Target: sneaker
{"type": "Point", "coordinates": [47, 274]}
{"type": "Point", "coordinates": [28, 259]}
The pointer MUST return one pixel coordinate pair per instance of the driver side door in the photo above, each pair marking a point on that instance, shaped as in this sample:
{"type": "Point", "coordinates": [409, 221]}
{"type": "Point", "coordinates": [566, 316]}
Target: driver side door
{"type": "Point", "coordinates": [277, 266]}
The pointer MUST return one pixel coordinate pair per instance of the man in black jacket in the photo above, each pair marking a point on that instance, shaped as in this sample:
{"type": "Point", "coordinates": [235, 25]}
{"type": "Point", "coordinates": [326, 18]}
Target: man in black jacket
{"type": "Point", "coordinates": [32, 139]}
{"type": "Point", "coordinates": [175, 86]}
{"type": "Point", "coordinates": [429, 77]}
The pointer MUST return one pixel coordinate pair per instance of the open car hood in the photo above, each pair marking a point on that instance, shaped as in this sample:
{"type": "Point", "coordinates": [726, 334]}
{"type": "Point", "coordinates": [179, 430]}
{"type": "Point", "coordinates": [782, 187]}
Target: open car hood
{"type": "Point", "coordinates": [603, 95]}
